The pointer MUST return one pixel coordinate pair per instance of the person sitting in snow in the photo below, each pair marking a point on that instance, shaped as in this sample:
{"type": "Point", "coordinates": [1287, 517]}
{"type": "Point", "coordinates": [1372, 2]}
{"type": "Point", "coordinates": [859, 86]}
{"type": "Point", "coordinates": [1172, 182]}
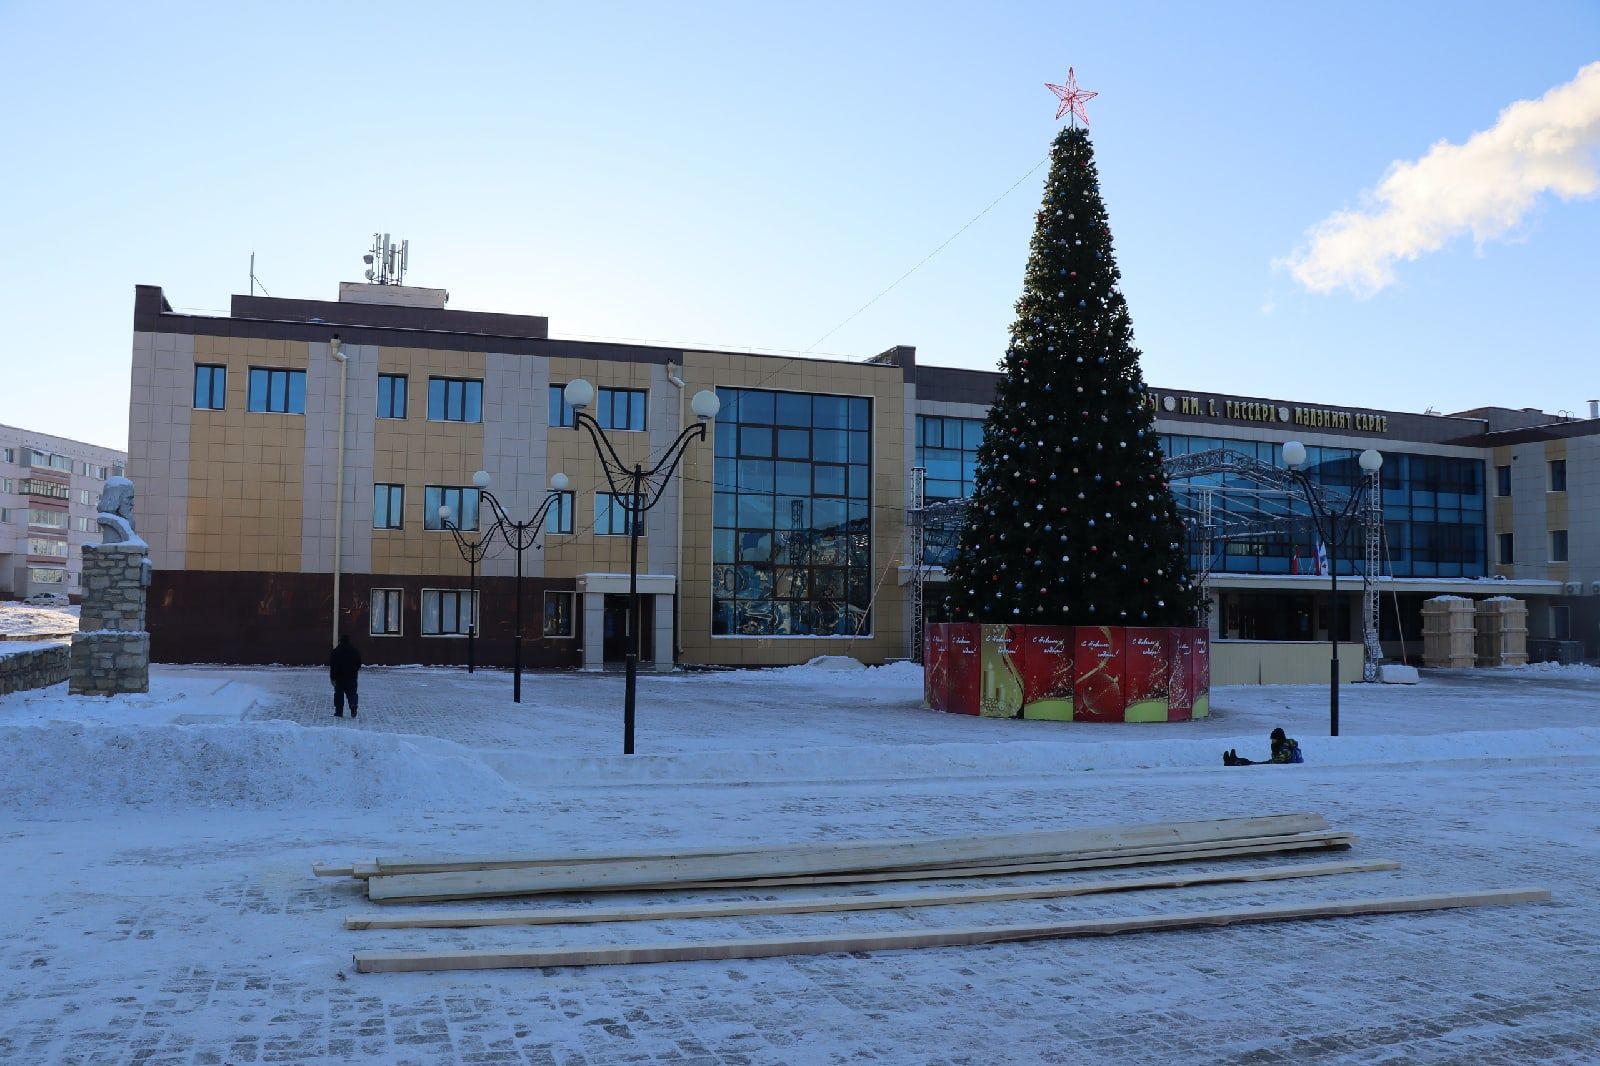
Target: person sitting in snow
{"type": "Point", "coordinates": [1284, 750]}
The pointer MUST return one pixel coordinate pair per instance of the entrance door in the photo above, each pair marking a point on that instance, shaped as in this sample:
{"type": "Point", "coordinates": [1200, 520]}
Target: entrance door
{"type": "Point", "coordinates": [615, 647]}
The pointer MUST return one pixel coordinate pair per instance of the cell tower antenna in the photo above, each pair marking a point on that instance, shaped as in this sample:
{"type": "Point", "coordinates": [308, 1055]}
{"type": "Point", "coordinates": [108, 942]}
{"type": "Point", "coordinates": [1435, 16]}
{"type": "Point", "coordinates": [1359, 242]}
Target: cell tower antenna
{"type": "Point", "coordinates": [386, 265]}
{"type": "Point", "coordinates": [254, 281]}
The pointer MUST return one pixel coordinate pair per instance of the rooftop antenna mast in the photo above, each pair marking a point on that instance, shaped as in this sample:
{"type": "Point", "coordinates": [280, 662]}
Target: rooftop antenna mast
{"type": "Point", "coordinates": [386, 264]}
{"type": "Point", "coordinates": [254, 281]}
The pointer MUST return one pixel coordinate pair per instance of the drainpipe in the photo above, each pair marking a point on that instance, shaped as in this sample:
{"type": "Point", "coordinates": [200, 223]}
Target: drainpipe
{"type": "Point", "coordinates": [336, 349]}
{"type": "Point", "coordinates": [677, 574]}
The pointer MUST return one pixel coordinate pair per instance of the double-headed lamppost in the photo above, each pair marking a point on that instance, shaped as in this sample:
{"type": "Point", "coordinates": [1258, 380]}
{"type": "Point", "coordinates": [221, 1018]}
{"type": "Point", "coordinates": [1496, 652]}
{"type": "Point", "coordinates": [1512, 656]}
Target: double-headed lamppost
{"type": "Point", "coordinates": [1329, 523]}
{"type": "Point", "coordinates": [519, 536]}
{"type": "Point", "coordinates": [639, 490]}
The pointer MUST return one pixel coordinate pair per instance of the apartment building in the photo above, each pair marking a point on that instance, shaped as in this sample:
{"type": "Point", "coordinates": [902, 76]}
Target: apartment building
{"type": "Point", "coordinates": [49, 487]}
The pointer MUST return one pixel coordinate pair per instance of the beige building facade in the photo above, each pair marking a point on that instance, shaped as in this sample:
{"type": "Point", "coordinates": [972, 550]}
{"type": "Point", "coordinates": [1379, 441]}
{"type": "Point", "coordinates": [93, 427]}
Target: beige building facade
{"type": "Point", "coordinates": [784, 534]}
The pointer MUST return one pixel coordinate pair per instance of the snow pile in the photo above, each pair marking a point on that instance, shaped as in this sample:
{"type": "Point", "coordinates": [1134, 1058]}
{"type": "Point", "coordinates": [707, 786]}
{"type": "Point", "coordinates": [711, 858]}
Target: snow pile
{"type": "Point", "coordinates": [1556, 670]}
{"type": "Point", "coordinates": [825, 672]}
{"type": "Point", "coordinates": [69, 766]}
{"type": "Point", "coordinates": [17, 647]}
{"type": "Point", "coordinates": [24, 620]}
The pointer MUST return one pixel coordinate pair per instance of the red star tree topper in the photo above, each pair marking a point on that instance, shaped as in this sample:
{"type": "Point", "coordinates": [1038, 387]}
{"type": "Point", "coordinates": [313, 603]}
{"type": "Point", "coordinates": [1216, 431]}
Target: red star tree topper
{"type": "Point", "coordinates": [1072, 98]}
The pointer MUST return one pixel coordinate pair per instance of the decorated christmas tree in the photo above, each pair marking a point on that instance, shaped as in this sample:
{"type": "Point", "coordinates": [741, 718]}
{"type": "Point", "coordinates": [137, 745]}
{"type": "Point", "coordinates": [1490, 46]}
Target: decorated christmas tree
{"type": "Point", "coordinates": [1072, 521]}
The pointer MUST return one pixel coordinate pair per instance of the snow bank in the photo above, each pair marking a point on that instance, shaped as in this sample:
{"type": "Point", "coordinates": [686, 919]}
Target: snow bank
{"type": "Point", "coordinates": [1029, 758]}
{"type": "Point", "coordinates": [21, 619]}
{"type": "Point", "coordinates": [66, 767]}
{"type": "Point", "coordinates": [826, 672]}
{"type": "Point", "coordinates": [1555, 670]}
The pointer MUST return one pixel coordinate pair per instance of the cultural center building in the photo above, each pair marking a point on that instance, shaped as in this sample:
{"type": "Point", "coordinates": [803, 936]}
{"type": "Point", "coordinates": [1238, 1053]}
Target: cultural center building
{"type": "Point", "coordinates": [785, 535]}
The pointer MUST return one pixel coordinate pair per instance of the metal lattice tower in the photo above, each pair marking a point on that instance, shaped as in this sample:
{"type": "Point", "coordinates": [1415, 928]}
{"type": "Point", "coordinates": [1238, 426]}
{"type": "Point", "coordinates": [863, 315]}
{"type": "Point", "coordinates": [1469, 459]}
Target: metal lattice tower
{"type": "Point", "coordinates": [919, 545]}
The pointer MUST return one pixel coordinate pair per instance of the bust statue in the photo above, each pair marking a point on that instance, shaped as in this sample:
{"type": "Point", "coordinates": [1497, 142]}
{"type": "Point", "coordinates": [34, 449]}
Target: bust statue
{"type": "Point", "coordinates": [116, 513]}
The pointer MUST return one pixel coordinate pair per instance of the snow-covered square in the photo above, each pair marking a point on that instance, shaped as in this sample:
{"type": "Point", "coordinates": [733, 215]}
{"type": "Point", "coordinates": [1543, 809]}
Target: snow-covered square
{"type": "Point", "coordinates": [161, 905]}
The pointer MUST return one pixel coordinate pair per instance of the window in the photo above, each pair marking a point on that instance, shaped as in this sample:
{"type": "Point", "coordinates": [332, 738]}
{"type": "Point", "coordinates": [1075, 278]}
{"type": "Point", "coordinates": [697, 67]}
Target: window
{"type": "Point", "coordinates": [85, 525]}
{"type": "Point", "coordinates": [1558, 545]}
{"type": "Point", "coordinates": [38, 516]}
{"type": "Point", "coordinates": [391, 395]}
{"type": "Point", "coordinates": [39, 487]}
{"type": "Point", "coordinates": [277, 391]}
{"type": "Point", "coordinates": [447, 612]}
{"type": "Point", "coordinates": [621, 409]}
{"type": "Point", "coordinates": [387, 605]}
{"type": "Point", "coordinates": [560, 411]}
{"type": "Point", "coordinates": [1502, 481]}
{"type": "Point", "coordinates": [463, 504]}
{"type": "Point", "coordinates": [559, 518]}
{"type": "Point", "coordinates": [1503, 541]}
{"type": "Point", "coordinates": [210, 389]}
{"type": "Point", "coordinates": [7, 485]}
{"type": "Point", "coordinates": [1558, 475]}
{"type": "Point", "coordinates": [10, 454]}
{"type": "Point", "coordinates": [388, 506]}
{"type": "Point", "coordinates": [39, 575]}
{"type": "Point", "coordinates": [455, 400]}
{"type": "Point", "coordinates": [611, 515]}
{"type": "Point", "coordinates": [42, 546]}
{"type": "Point", "coordinates": [791, 509]}
{"type": "Point", "coordinates": [60, 462]}
{"type": "Point", "coordinates": [97, 471]}
{"type": "Point", "coordinates": [558, 614]}
{"type": "Point", "coordinates": [84, 497]}
{"type": "Point", "coordinates": [7, 515]}
{"type": "Point", "coordinates": [1560, 622]}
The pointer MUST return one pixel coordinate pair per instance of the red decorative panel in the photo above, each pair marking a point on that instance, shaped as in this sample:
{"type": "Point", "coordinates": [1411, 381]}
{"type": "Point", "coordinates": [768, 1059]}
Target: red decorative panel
{"type": "Point", "coordinates": [1148, 655]}
{"type": "Point", "coordinates": [1099, 691]}
{"type": "Point", "coordinates": [1049, 668]}
{"type": "Point", "coordinates": [935, 665]}
{"type": "Point", "coordinates": [964, 674]}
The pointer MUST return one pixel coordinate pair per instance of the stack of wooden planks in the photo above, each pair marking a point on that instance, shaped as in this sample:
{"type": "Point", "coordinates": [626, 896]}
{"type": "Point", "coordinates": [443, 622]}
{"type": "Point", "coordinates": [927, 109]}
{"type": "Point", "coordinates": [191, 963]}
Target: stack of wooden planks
{"type": "Point", "coordinates": [420, 879]}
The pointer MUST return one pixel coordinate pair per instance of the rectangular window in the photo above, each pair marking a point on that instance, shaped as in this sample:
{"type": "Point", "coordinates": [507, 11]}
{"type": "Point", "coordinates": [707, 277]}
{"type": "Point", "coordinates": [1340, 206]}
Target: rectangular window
{"type": "Point", "coordinates": [387, 605]}
{"type": "Point", "coordinates": [388, 506]}
{"type": "Point", "coordinates": [97, 472]}
{"type": "Point", "coordinates": [1502, 481]}
{"type": "Point", "coordinates": [50, 548]}
{"type": "Point", "coordinates": [39, 575]}
{"type": "Point", "coordinates": [391, 395]}
{"type": "Point", "coordinates": [38, 516]}
{"type": "Point", "coordinates": [7, 515]}
{"type": "Point", "coordinates": [1503, 542]}
{"type": "Point", "coordinates": [210, 388]}
{"type": "Point", "coordinates": [560, 410]}
{"type": "Point", "coordinates": [7, 485]}
{"type": "Point", "coordinates": [611, 515]}
{"type": "Point", "coordinates": [1558, 475]}
{"type": "Point", "coordinates": [455, 400]}
{"type": "Point", "coordinates": [61, 462]}
{"type": "Point", "coordinates": [1558, 545]}
{"type": "Point", "coordinates": [621, 409]}
{"type": "Point", "coordinates": [462, 502]}
{"type": "Point", "coordinates": [10, 454]}
{"type": "Point", "coordinates": [280, 392]}
{"type": "Point", "coordinates": [447, 612]}
{"type": "Point", "coordinates": [1560, 622]}
{"type": "Point", "coordinates": [84, 497]}
{"type": "Point", "coordinates": [85, 525]}
{"type": "Point", "coordinates": [558, 614]}
{"type": "Point", "coordinates": [34, 486]}
{"type": "Point", "coordinates": [559, 518]}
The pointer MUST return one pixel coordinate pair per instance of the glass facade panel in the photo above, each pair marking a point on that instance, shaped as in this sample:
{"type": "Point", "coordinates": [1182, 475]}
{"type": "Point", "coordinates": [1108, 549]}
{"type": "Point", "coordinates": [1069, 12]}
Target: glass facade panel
{"type": "Point", "coordinates": [792, 547]}
{"type": "Point", "coordinates": [947, 448]}
{"type": "Point", "coordinates": [462, 502]}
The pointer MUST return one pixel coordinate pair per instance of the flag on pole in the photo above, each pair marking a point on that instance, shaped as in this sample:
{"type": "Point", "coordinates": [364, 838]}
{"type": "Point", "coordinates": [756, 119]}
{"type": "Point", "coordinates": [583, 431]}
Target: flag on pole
{"type": "Point", "coordinates": [1322, 557]}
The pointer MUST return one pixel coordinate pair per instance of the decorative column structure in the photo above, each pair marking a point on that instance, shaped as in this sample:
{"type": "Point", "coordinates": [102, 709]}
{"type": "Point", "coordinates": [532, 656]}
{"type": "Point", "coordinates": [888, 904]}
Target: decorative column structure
{"type": "Point", "coordinates": [111, 650]}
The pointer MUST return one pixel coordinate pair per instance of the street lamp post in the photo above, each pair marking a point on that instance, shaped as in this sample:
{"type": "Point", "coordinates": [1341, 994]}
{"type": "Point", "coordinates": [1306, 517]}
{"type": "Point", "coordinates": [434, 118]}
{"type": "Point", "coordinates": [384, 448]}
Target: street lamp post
{"type": "Point", "coordinates": [473, 552]}
{"type": "Point", "coordinates": [519, 536]}
{"type": "Point", "coordinates": [641, 489]}
{"type": "Point", "coordinates": [1328, 522]}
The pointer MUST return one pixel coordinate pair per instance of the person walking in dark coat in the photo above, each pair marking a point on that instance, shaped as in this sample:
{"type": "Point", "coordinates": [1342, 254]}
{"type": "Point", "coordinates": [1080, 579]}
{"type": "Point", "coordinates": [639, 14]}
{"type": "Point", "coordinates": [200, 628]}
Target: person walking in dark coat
{"type": "Point", "coordinates": [344, 667]}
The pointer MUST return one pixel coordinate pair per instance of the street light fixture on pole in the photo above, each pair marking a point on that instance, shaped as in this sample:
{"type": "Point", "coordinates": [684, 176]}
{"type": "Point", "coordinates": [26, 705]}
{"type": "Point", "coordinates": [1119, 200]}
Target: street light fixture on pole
{"type": "Point", "coordinates": [473, 552]}
{"type": "Point", "coordinates": [519, 536]}
{"type": "Point", "coordinates": [640, 489]}
{"type": "Point", "coordinates": [1329, 522]}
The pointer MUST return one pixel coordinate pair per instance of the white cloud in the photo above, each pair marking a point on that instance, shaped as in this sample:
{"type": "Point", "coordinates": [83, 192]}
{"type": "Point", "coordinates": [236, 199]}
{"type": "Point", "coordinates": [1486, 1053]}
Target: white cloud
{"type": "Point", "coordinates": [1483, 187]}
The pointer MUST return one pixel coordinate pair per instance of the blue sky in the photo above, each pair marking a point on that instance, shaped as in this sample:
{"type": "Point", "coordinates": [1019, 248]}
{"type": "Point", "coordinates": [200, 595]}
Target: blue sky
{"type": "Point", "coordinates": [747, 176]}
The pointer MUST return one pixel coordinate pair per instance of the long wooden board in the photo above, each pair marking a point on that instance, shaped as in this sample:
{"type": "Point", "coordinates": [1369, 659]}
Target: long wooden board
{"type": "Point", "coordinates": [400, 961]}
{"type": "Point", "coordinates": [1028, 842]}
{"type": "Point", "coordinates": [599, 877]}
{"type": "Point", "coordinates": [828, 904]}
{"type": "Point", "coordinates": [488, 884]}
{"type": "Point", "coordinates": [1333, 841]}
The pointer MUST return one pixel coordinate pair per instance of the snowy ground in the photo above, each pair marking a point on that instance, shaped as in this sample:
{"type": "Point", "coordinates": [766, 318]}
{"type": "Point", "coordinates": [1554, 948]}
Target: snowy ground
{"type": "Point", "coordinates": [156, 852]}
{"type": "Point", "coordinates": [21, 621]}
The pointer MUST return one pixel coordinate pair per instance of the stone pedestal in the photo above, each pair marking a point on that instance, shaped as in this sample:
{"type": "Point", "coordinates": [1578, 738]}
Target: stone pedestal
{"type": "Point", "coordinates": [1449, 632]}
{"type": "Point", "coordinates": [111, 650]}
{"type": "Point", "coordinates": [1502, 624]}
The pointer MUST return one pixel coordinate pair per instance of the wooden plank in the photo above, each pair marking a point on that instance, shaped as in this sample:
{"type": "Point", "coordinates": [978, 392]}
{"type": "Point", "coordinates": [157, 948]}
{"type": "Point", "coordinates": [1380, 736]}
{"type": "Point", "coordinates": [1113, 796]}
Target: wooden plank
{"type": "Point", "coordinates": [1053, 840]}
{"type": "Point", "coordinates": [1331, 842]}
{"type": "Point", "coordinates": [510, 881]}
{"type": "Point", "coordinates": [321, 870]}
{"type": "Point", "coordinates": [829, 904]}
{"type": "Point", "coordinates": [392, 962]}
{"type": "Point", "coordinates": [488, 884]}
